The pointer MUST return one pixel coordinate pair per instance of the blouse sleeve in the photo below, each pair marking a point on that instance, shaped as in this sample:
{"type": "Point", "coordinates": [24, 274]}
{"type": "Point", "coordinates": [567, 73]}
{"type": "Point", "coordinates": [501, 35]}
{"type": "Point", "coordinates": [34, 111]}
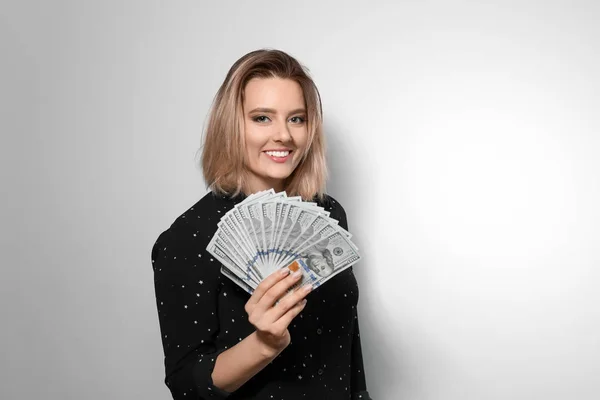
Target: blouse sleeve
{"type": "Point", "coordinates": [187, 287]}
{"type": "Point", "coordinates": [359, 384]}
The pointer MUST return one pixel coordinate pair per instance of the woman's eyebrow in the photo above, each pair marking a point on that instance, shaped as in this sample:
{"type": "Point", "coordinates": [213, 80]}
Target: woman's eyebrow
{"type": "Point", "coordinates": [272, 111]}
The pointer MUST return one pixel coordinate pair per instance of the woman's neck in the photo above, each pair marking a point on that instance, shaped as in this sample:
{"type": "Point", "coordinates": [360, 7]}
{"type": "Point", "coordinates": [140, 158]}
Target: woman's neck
{"type": "Point", "coordinates": [253, 185]}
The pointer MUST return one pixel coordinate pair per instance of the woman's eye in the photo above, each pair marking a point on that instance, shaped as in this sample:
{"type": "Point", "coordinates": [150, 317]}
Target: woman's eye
{"type": "Point", "coordinates": [297, 120]}
{"type": "Point", "coordinates": [260, 118]}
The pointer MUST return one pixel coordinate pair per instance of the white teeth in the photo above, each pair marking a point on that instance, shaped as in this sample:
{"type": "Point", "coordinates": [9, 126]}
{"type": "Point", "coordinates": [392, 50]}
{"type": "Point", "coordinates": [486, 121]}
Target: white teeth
{"type": "Point", "coordinates": [277, 153]}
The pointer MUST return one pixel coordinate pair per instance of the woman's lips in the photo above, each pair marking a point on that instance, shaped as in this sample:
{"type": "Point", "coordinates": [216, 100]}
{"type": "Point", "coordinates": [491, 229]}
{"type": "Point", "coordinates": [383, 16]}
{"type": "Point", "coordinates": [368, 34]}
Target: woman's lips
{"type": "Point", "coordinates": [278, 159]}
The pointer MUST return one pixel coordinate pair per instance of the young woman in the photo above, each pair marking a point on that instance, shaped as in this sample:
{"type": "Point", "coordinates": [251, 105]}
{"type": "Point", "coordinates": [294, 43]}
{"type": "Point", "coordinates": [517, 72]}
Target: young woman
{"type": "Point", "coordinates": [264, 131]}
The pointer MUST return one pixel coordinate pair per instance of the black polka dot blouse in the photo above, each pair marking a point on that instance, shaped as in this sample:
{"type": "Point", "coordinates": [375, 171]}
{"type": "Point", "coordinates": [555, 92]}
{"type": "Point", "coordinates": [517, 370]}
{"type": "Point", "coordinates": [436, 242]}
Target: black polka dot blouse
{"type": "Point", "coordinates": [201, 314]}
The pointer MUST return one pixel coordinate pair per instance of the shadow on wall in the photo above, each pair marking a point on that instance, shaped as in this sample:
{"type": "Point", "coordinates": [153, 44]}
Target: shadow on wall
{"type": "Point", "coordinates": [348, 174]}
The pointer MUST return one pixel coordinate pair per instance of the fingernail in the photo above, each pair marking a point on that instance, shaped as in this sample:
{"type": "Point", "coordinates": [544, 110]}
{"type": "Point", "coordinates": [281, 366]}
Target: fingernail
{"type": "Point", "coordinates": [297, 274]}
{"type": "Point", "coordinates": [303, 302]}
{"type": "Point", "coordinates": [307, 288]}
{"type": "Point", "coordinates": [284, 271]}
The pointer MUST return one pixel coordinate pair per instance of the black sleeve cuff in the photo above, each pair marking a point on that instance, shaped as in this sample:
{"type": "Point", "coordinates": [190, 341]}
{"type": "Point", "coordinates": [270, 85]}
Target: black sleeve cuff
{"type": "Point", "coordinates": [362, 395]}
{"type": "Point", "coordinates": [203, 377]}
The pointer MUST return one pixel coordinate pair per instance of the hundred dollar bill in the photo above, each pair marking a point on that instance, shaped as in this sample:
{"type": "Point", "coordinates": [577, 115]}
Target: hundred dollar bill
{"type": "Point", "coordinates": [283, 225]}
{"type": "Point", "coordinates": [308, 222]}
{"type": "Point", "coordinates": [237, 280]}
{"type": "Point", "coordinates": [268, 218]}
{"type": "Point", "coordinates": [258, 212]}
{"type": "Point", "coordinates": [329, 257]}
{"type": "Point", "coordinates": [230, 264]}
{"type": "Point", "coordinates": [301, 230]}
{"type": "Point", "coordinates": [239, 227]}
{"type": "Point", "coordinates": [233, 247]}
{"type": "Point", "coordinates": [323, 233]}
{"type": "Point", "coordinates": [318, 228]}
{"type": "Point", "coordinates": [285, 240]}
{"type": "Point", "coordinates": [244, 263]}
{"type": "Point", "coordinates": [233, 226]}
{"type": "Point", "coordinates": [277, 205]}
{"type": "Point", "coordinates": [248, 225]}
{"type": "Point", "coordinates": [312, 207]}
{"type": "Point", "coordinates": [237, 237]}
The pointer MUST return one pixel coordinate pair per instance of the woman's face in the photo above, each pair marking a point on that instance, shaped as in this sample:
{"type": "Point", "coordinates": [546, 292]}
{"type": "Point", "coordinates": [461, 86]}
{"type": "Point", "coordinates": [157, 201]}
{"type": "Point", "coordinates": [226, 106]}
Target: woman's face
{"type": "Point", "coordinates": [320, 266]}
{"type": "Point", "coordinates": [275, 130]}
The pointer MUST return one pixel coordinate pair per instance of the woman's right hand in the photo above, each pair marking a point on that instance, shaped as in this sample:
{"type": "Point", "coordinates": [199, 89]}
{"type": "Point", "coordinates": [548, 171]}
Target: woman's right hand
{"type": "Point", "coordinates": [271, 309]}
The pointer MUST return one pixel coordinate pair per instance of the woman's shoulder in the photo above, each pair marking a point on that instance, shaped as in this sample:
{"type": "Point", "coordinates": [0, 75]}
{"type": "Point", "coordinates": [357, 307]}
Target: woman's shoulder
{"type": "Point", "coordinates": [335, 209]}
{"type": "Point", "coordinates": [329, 202]}
{"type": "Point", "coordinates": [181, 249]}
{"type": "Point", "coordinates": [199, 222]}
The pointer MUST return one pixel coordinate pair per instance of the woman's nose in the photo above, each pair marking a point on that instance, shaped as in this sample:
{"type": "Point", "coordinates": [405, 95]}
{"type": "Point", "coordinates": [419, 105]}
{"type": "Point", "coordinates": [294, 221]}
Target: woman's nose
{"type": "Point", "coordinates": [282, 132]}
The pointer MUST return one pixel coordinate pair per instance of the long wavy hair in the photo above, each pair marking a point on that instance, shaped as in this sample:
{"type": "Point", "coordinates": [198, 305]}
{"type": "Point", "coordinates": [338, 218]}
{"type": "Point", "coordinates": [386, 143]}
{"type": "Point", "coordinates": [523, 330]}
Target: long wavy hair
{"type": "Point", "coordinates": [223, 159]}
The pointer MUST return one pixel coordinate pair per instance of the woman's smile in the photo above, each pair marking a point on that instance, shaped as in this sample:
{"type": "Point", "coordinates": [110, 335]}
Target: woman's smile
{"type": "Point", "coordinates": [279, 156]}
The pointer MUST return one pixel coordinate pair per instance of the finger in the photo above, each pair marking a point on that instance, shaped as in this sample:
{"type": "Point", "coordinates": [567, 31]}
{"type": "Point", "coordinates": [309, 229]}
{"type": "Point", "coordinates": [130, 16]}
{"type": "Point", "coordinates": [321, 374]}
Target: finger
{"type": "Point", "coordinates": [278, 291]}
{"type": "Point", "coordinates": [267, 284]}
{"type": "Point", "coordinates": [283, 322]}
{"type": "Point", "coordinates": [287, 303]}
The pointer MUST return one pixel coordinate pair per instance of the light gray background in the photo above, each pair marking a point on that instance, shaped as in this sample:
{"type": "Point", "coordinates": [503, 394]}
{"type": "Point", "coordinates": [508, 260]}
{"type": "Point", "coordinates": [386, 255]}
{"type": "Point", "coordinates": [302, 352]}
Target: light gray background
{"type": "Point", "coordinates": [464, 144]}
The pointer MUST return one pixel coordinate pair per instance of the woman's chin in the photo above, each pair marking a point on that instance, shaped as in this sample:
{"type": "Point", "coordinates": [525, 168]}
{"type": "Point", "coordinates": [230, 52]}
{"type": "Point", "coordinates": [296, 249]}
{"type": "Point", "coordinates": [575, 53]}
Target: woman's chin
{"type": "Point", "coordinates": [278, 175]}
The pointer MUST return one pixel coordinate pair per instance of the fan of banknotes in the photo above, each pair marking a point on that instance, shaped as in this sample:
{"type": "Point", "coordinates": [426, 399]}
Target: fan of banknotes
{"type": "Point", "coordinates": [268, 231]}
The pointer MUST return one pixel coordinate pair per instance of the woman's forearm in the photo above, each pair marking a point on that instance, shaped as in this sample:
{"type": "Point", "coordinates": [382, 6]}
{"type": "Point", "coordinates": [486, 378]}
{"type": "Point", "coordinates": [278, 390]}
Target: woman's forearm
{"type": "Point", "coordinates": [237, 365]}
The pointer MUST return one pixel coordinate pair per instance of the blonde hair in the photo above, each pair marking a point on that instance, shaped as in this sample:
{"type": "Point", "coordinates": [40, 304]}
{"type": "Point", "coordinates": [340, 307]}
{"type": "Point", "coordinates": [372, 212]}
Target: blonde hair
{"type": "Point", "coordinates": [223, 157]}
